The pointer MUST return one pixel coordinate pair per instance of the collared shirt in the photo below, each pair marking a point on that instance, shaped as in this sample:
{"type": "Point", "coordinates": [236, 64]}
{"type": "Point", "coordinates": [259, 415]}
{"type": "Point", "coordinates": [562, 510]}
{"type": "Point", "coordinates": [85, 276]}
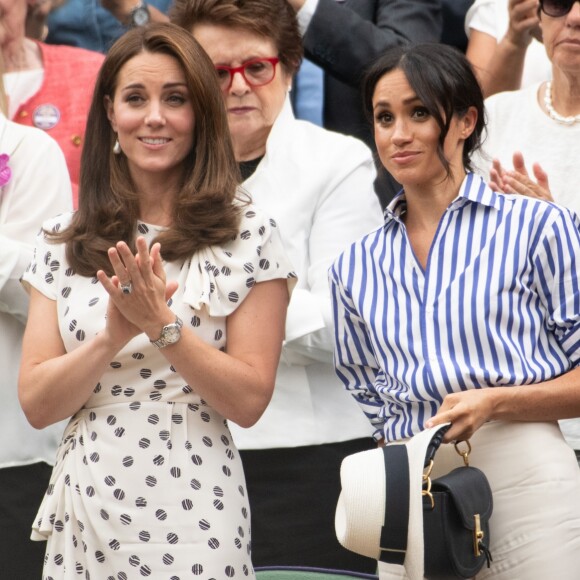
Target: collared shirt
{"type": "Point", "coordinates": [498, 304]}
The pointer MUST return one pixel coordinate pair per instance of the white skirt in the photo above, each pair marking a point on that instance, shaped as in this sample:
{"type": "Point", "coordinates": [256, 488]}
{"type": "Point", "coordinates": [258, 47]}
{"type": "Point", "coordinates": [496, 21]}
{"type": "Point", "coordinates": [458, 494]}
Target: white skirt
{"type": "Point", "coordinates": [535, 480]}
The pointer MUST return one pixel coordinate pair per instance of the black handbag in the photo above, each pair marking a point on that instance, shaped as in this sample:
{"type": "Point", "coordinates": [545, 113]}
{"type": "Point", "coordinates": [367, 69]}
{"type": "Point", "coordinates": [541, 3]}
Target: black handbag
{"type": "Point", "coordinates": [456, 512]}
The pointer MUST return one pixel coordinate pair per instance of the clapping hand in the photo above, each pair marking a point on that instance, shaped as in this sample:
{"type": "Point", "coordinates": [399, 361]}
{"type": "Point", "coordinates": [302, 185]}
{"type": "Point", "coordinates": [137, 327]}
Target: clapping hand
{"type": "Point", "coordinates": [138, 291]}
{"type": "Point", "coordinates": [519, 181]}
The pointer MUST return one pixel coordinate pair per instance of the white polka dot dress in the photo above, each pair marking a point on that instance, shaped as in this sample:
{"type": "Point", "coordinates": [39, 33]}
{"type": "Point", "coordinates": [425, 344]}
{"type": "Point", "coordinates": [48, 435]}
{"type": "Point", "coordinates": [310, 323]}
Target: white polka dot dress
{"type": "Point", "coordinates": [147, 481]}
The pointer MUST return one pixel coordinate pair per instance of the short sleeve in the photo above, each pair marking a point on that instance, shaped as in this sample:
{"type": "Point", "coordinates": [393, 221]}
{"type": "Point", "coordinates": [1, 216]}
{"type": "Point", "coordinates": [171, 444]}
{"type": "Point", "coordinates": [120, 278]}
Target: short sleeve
{"type": "Point", "coordinates": [482, 16]}
{"type": "Point", "coordinates": [220, 277]}
{"type": "Point", "coordinates": [48, 259]}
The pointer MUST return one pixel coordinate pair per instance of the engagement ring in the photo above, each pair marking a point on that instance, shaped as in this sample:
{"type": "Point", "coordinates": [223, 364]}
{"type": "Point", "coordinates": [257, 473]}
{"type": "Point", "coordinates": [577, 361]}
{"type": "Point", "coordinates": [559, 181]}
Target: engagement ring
{"type": "Point", "coordinates": [126, 288]}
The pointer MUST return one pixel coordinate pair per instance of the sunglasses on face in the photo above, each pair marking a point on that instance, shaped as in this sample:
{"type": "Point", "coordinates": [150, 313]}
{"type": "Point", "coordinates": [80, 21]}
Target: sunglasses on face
{"type": "Point", "coordinates": [256, 73]}
{"type": "Point", "coordinates": [556, 8]}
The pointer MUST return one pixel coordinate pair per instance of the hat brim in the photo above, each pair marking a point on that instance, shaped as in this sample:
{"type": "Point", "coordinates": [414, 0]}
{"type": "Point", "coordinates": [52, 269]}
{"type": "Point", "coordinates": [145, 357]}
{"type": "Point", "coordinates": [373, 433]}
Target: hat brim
{"type": "Point", "coordinates": [360, 512]}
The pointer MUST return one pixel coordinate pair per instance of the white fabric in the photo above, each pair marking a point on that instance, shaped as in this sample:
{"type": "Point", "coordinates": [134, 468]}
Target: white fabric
{"type": "Point", "coordinates": [147, 475]}
{"type": "Point", "coordinates": [360, 512]}
{"type": "Point", "coordinates": [535, 481]}
{"type": "Point", "coordinates": [39, 188]}
{"type": "Point", "coordinates": [318, 186]}
{"type": "Point", "coordinates": [517, 123]}
{"type": "Point", "coordinates": [305, 14]}
{"type": "Point", "coordinates": [21, 86]}
{"type": "Point", "coordinates": [492, 17]}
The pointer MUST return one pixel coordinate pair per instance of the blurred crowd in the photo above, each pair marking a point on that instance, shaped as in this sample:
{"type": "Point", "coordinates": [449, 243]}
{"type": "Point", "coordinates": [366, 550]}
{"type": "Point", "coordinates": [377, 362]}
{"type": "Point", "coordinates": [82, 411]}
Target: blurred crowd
{"type": "Point", "coordinates": [178, 375]}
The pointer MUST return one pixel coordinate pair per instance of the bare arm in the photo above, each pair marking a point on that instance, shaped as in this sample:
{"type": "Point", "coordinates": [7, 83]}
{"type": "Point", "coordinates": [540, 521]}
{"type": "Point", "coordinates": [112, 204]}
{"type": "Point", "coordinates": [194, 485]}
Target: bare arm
{"type": "Point", "coordinates": [238, 384]}
{"type": "Point", "coordinates": [499, 65]}
{"type": "Point", "coordinates": [54, 384]}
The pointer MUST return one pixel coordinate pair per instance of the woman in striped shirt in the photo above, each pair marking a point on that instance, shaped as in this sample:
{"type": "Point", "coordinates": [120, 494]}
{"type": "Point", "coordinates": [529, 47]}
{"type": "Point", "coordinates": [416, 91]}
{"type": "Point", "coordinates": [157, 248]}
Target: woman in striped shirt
{"type": "Point", "coordinates": [465, 307]}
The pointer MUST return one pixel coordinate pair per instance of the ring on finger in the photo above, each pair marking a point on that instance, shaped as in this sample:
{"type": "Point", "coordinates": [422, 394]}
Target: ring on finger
{"type": "Point", "coordinates": [126, 288]}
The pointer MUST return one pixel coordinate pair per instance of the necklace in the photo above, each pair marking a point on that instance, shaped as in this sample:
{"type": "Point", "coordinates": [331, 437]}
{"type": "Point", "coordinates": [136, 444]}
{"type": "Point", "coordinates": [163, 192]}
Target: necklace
{"type": "Point", "coordinates": [552, 112]}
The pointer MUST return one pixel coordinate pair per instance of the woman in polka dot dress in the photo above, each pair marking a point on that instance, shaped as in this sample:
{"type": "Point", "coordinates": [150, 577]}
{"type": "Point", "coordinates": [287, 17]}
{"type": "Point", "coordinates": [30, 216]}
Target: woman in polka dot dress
{"type": "Point", "coordinates": [157, 313]}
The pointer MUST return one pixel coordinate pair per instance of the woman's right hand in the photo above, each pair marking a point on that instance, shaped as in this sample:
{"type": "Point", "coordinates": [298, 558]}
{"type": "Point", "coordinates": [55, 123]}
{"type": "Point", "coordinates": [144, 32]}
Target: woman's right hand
{"type": "Point", "coordinates": [523, 21]}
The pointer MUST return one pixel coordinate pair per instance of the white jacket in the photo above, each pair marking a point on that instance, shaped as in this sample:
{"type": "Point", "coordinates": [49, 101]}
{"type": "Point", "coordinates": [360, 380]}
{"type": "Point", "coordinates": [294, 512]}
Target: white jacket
{"type": "Point", "coordinates": [318, 186]}
{"type": "Point", "coordinates": [38, 189]}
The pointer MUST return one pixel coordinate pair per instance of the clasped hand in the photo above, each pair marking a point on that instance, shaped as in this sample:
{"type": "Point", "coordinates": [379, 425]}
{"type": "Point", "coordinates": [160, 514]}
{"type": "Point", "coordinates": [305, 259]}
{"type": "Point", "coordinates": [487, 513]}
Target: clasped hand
{"type": "Point", "coordinates": [144, 308]}
{"type": "Point", "coordinates": [466, 410]}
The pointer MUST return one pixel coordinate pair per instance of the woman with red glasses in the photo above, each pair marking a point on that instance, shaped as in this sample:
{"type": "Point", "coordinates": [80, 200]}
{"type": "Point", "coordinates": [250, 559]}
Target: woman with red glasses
{"type": "Point", "coordinates": [318, 186]}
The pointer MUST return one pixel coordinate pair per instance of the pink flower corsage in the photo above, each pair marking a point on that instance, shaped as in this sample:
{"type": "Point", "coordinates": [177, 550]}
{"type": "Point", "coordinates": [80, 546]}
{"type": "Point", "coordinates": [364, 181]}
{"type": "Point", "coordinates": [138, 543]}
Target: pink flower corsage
{"type": "Point", "coordinates": [5, 171]}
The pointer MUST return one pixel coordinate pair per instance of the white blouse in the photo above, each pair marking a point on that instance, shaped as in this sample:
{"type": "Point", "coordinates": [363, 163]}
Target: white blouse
{"type": "Point", "coordinates": [39, 188]}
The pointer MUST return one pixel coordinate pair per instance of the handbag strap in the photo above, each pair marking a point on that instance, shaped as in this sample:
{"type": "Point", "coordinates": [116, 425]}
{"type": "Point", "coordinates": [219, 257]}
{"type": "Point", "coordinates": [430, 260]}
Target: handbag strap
{"type": "Point", "coordinates": [394, 532]}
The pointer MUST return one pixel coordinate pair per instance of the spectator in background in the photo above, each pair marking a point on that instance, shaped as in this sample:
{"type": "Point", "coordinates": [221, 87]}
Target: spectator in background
{"type": "Point", "coordinates": [505, 44]}
{"type": "Point", "coordinates": [318, 186]}
{"type": "Point", "coordinates": [533, 133]}
{"type": "Point", "coordinates": [34, 185]}
{"type": "Point", "coordinates": [454, 12]}
{"type": "Point", "coordinates": [96, 24]}
{"type": "Point", "coordinates": [48, 87]}
{"type": "Point", "coordinates": [343, 38]}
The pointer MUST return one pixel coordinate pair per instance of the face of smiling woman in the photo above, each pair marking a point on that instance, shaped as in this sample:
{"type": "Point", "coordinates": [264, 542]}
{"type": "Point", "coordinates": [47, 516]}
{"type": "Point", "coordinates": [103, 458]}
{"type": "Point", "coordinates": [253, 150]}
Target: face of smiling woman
{"type": "Point", "coordinates": [152, 114]}
{"type": "Point", "coordinates": [407, 136]}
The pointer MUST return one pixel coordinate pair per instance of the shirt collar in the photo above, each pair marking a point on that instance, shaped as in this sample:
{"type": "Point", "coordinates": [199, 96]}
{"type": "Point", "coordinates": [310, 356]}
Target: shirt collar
{"type": "Point", "coordinates": [473, 189]}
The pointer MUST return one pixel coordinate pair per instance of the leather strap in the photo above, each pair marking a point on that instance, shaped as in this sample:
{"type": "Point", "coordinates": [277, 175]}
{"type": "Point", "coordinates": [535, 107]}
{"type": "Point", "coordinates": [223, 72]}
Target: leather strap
{"type": "Point", "coordinates": [396, 523]}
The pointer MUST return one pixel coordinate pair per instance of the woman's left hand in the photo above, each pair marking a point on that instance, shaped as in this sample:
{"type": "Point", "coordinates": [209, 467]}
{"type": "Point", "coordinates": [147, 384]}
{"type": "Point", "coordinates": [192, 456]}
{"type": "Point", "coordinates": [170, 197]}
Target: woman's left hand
{"type": "Point", "coordinates": [467, 411]}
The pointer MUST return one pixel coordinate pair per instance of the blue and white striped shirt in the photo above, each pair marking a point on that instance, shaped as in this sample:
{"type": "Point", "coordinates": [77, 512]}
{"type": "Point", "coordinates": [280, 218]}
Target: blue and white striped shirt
{"type": "Point", "coordinates": [498, 304]}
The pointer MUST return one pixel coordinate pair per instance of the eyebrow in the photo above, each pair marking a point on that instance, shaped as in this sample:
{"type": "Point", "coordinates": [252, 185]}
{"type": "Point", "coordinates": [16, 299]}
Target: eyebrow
{"type": "Point", "coordinates": [408, 101]}
{"type": "Point", "coordinates": [142, 86]}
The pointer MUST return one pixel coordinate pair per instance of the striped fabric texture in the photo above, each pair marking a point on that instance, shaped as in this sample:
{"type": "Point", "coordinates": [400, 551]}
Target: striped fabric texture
{"type": "Point", "coordinates": [497, 305]}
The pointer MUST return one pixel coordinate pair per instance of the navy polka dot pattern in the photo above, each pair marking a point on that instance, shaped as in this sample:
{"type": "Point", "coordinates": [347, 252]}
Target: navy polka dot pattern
{"type": "Point", "coordinates": [147, 481]}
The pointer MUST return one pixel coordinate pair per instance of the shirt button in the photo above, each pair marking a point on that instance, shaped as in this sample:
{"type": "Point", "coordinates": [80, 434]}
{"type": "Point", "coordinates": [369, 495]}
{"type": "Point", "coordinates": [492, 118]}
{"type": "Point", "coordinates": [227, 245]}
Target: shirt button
{"type": "Point", "coordinates": [76, 140]}
{"type": "Point", "coordinates": [24, 113]}
{"type": "Point", "coordinates": [429, 310]}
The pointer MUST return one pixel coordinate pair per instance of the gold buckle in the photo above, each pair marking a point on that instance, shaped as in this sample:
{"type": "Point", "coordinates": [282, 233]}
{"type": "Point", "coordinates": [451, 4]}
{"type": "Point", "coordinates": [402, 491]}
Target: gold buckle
{"type": "Point", "coordinates": [427, 484]}
{"type": "Point", "coordinates": [465, 453]}
{"type": "Point", "coordinates": [478, 535]}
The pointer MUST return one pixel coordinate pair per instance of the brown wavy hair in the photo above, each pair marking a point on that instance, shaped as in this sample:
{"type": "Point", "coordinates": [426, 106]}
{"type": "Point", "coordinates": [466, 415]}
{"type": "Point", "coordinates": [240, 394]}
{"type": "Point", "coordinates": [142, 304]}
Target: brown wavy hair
{"type": "Point", "coordinates": [207, 208]}
{"type": "Point", "coordinates": [273, 19]}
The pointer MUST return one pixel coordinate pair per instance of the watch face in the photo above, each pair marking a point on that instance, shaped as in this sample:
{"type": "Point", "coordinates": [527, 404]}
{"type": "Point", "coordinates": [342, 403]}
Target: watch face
{"type": "Point", "coordinates": [171, 334]}
{"type": "Point", "coordinates": [140, 16]}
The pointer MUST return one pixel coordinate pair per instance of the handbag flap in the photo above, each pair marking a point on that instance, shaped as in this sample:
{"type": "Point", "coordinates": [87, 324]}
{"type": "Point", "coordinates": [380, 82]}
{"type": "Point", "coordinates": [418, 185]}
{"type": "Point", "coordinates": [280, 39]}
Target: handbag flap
{"type": "Point", "coordinates": [470, 491]}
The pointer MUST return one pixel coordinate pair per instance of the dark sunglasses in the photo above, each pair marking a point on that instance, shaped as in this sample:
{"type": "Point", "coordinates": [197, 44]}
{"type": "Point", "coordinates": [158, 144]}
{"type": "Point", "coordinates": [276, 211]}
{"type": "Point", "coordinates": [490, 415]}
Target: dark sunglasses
{"type": "Point", "coordinates": [556, 8]}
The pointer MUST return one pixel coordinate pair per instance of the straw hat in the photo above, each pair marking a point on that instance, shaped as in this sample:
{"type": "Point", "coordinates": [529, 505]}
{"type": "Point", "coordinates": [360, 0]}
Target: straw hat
{"type": "Point", "coordinates": [360, 512]}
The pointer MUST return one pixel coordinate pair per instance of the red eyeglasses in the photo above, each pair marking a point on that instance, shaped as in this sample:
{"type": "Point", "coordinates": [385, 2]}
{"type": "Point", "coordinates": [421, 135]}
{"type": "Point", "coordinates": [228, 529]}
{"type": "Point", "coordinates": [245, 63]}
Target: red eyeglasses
{"type": "Point", "coordinates": [556, 8]}
{"type": "Point", "coordinates": [256, 73]}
